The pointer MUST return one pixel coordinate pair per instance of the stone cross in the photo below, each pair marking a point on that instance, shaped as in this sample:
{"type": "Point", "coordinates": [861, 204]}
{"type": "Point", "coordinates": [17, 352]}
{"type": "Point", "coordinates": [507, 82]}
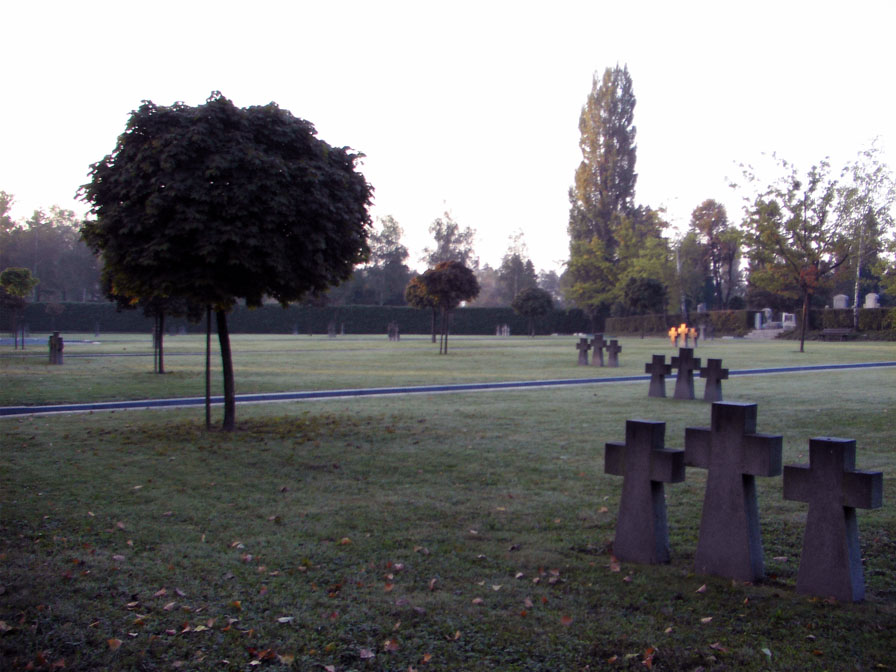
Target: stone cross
{"type": "Point", "coordinates": [673, 336]}
{"type": "Point", "coordinates": [658, 370]}
{"type": "Point", "coordinates": [598, 344]}
{"type": "Point", "coordinates": [642, 534]}
{"type": "Point", "coordinates": [714, 374]}
{"type": "Point", "coordinates": [683, 332]}
{"type": "Point", "coordinates": [693, 334]}
{"type": "Point", "coordinates": [684, 379]}
{"type": "Point", "coordinates": [583, 347]}
{"type": "Point", "coordinates": [613, 350]}
{"type": "Point", "coordinates": [730, 544]}
{"type": "Point", "coordinates": [56, 346]}
{"type": "Point", "coordinates": [831, 563]}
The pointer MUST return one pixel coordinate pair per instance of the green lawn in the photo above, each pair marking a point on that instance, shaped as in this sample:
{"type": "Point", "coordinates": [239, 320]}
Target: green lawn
{"type": "Point", "coordinates": [435, 532]}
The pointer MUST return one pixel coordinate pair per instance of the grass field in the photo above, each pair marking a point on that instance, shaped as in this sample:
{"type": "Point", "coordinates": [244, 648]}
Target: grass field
{"type": "Point", "coordinates": [434, 532]}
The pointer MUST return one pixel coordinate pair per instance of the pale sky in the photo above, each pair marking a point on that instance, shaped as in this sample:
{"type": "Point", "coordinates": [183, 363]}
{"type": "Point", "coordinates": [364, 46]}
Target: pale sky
{"type": "Point", "coordinates": [470, 107]}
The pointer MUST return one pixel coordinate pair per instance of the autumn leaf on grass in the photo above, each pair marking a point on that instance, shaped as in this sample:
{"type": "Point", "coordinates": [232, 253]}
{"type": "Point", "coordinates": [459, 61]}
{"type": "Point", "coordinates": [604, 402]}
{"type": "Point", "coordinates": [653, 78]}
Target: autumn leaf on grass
{"type": "Point", "coordinates": [366, 654]}
{"type": "Point", "coordinates": [114, 644]}
{"type": "Point", "coordinates": [566, 620]}
{"type": "Point", "coordinates": [649, 655]}
{"type": "Point", "coordinates": [701, 589]}
{"type": "Point", "coordinates": [478, 600]}
{"type": "Point", "coordinates": [390, 645]}
{"type": "Point", "coordinates": [706, 620]}
{"type": "Point", "coordinates": [614, 564]}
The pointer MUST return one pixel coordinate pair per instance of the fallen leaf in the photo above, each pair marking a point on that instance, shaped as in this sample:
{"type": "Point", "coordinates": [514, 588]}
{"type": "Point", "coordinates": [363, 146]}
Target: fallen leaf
{"type": "Point", "coordinates": [603, 509]}
{"type": "Point", "coordinates": [286, 619]}
{"type": "Point", "coordinates": [170, 606]}
{"type": "Point", "coordinates": [701, 589]}
{"type": "Point", "coordinates": [160, 593]}
{"type": "Point", "coordinates": [528, 603]}
{"type": "Point", "coordinates": [345, 541]}
{"type": "Point", "coordinates": [366, 654]}
{"type": "Point", "coordinates": [767, 652]}
{"type": "Point", "coordinates": [432, 584]}
{"type": "Point", "coordinates": [706, 620]}
{"type": "Point", "coordinates": [614, 564]}
{"type": "Point", "coordinates": [566, 620]}
{"type": "Point", "coordinates": [496, 588]}
{"type": "Point", "coordinates": [426, 658]}
{"type": "Point", "coordinates": [478, 600]}
{"type": "Point", "coordinates": [390, 645]}
{"type": "Point", "coordinates": [114, 644]}
{"type": "Point", "coordinates": [718, 647]}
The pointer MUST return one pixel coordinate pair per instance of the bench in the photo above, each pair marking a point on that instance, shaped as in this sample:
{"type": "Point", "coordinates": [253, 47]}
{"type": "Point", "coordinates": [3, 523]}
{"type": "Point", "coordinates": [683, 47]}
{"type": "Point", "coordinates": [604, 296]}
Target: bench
{"type": "Point", "coordinates": [841, 333]}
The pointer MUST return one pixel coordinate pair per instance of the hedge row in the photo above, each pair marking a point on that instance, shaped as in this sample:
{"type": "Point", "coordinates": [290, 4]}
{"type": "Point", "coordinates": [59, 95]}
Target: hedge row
{"type": "Point", "coordinates": [870, 319]}
{"type": "Point", "coordinates": [724, 322]}
{"type": "Point", "coordinates": [273, 319]}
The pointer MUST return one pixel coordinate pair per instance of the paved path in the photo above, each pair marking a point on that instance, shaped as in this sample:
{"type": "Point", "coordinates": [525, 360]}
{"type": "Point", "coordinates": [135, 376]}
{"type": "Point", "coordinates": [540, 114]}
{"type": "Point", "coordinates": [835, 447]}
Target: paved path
{"type": "Point", "coordinates": [273, 397]}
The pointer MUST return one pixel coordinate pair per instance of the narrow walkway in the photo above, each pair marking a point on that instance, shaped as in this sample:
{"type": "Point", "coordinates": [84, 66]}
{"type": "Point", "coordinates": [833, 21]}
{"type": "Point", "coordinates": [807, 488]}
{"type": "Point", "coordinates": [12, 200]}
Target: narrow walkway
{"type": "Point", "coordinates": [274, 397]}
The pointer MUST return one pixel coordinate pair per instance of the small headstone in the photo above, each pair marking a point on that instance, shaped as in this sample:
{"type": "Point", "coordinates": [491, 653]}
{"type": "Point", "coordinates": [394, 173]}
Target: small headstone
{"type": "Point", "coordinates": [598, 344]}
{"type": "Point", "coordinates": [757, 320]}
{"type": "Point", "coordinates": [642, 533]}
{"type": "Point", "coordinates": [331, 329]}
{"type": "Point", "coordinates": [831, 562]}
{"type": "Point", "coordinates": [658, 370]}
{"type": "Point", "coordinates": [714, 375]}
{"type": "Point", "coordinates": [392, 330]}
{"type": "Point", "coordinates": [841, 301]}
{"type": "Point", "coordinates": [685, 365]}
{"type": "Point", "coordinates": [788, 320]}
{"type": "Point", "coordinates": [673, 336]}
{"type": "Point", "coordinates": [613, 350]}
{"type": "Point", "coordinates": [701, 307]}
{"type": "Point", "coordinates": [56, 346]}
{"type": "Point", "coordinates": [583, 347]}
{"type": "Point", "coordinates": [730, 544]}
{"type": "Point", "coordinates": [872, 300]}
{"type": "Point", "coordinates": [702, 333]}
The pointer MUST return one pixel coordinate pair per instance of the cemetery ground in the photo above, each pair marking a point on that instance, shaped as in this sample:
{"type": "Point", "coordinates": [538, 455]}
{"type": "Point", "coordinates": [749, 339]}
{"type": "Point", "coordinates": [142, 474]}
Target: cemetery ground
{"type": "Point", "coordinates": [432, 532]}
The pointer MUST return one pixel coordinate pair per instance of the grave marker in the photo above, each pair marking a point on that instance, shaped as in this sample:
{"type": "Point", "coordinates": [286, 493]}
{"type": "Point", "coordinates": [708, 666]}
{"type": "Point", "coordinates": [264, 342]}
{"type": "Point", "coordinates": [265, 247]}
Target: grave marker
{"type": "Point", "coordinates": [598, 344]}
{"type": "Point", "coordinates": [685, 364]}
{"type": "Point", "coordinates": [583, 347]}
{"type": "Point", "coordinates": [673, 336]}
{"type": "Point", "coordinates": [714, 374]}
{"type": "Point", "coordinates": [613, 350]}
{"type": "Point", "coordinates": [642, 533]}
{"type": "Point", "coordinates": [683, 332]}
{"type": "Point", "coordinates": [831, 562]}
{"type": "Point", "coordinates": [56, 345]}
{"type": "Point", "coordinates": [730, 544]}
{"type": "Point", "coordinates": [658, 370]}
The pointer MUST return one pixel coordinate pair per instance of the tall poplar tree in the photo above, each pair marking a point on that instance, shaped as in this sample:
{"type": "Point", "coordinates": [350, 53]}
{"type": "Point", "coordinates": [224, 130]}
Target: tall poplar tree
{"type": "Point", "coordinates": [604, 188]}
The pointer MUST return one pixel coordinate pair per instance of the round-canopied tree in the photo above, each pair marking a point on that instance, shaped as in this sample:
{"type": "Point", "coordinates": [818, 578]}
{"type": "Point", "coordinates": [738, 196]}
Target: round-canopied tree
{"type": "Point", "coordinates": [217, 203]}
{"type": "Point", "coordinates": [532, 302]}
{"type": "Point", "coordinates": [449, 283]}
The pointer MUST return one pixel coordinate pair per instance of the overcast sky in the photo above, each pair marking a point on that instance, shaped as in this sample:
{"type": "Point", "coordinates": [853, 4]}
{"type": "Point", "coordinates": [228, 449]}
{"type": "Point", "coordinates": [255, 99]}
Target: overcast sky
{"type": "Point", "coordinates": [469, 107]}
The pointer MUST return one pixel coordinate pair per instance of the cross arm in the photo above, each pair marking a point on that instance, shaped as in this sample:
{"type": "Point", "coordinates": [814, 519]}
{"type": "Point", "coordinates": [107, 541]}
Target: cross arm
{"type": "Point", "coordinates": [614, 459]}
{"type": "Point", "coordinates": [863, 489]}
{"type": "Point", "coordinates": [762, 454]}
{"type": "Point", "coordinates": [667, 465]}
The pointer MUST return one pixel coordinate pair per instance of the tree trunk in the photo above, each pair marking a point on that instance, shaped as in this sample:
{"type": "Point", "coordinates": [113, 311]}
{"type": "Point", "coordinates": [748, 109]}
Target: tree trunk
{"type": "Point", "coordinates": [433, 325]}
{"type": "Point", "coordinates": [162, 342]}
{"type": "Point", "coordinates": [208, 367]}
{"type": "Point", "coordinates": [227, 369]}
{"type": "Point", "coordinates": [805, 321]}
{"type": "Point", "coordinates": [855, 303]}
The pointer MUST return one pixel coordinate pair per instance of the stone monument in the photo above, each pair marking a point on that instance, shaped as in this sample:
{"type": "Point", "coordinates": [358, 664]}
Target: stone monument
{"type": "Point", "coordinates": [841, 301]}
{"type": "Point", "coordinates": [872, 300]}
{"type": "Point", "coordinates": [673, 336]}
{"type": "Point", "coordinates": [658, 370]}
{"type": "Point", "coordinates": [56, 345]}
{"type": "Point", "coordinates": [613, 350]}
{"type": "Point", "coordinates": [730, 544]}
{"type": "Point", "coordinates": [642, 534]}
{"type": "Point", "coordinates": [831, 562]}
{"type": "Point", "coordinates": [684, 378]}
{"type": "Point", "coordinates": [583, 347]}
{"type": "Point", "coordinates": [598, 344]}
{"type": "Point", "coordinates": [714, 375]}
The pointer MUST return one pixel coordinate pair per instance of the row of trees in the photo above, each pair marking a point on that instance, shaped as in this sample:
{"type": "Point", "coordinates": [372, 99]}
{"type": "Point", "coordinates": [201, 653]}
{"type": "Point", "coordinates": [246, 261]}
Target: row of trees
{"type": "Point", "coordinates": [803, 236]}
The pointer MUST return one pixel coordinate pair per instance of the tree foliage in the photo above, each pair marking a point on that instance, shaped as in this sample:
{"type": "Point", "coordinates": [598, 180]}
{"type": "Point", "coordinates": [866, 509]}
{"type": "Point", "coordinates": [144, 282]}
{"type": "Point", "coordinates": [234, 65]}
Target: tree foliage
{"type": "Point", "coordinates": [448, 284]}
{"type": "Point", "coordinates": [450, 243]}
{"type": "Point", "coordinates": [532, 302]}
{"type": "Point", "coordinates": [216, 203]}
{"type": "Point", "coordinates": [721, 250]}
{"type": "Point", "coordinates": [795, 238]}
{"type": "Point", "coordinates": [611, 239]}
